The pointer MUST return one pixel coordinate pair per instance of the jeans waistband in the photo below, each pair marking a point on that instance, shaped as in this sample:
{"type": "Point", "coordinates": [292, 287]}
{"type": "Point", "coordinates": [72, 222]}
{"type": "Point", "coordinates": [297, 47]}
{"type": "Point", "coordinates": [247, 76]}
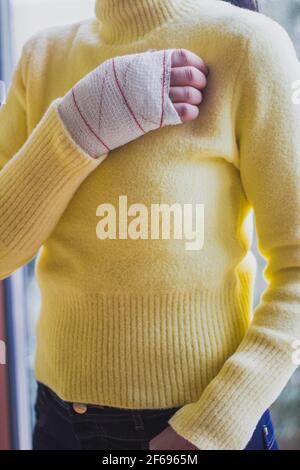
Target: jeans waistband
{"type": "Point", "coordinates": [69, 405]}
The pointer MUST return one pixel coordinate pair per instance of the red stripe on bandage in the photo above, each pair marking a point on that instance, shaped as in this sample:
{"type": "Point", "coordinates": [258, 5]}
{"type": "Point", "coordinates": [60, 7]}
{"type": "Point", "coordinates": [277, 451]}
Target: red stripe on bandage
{"type": "Point", "coordinates": [86, 122]}
{"type": "Point", "coordinates": [124, 97]}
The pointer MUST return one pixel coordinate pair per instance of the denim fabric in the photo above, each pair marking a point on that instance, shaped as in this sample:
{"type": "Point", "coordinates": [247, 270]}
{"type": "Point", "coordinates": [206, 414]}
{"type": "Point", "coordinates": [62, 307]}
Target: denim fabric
{"type": "Point", "coordinates": [59, 427]}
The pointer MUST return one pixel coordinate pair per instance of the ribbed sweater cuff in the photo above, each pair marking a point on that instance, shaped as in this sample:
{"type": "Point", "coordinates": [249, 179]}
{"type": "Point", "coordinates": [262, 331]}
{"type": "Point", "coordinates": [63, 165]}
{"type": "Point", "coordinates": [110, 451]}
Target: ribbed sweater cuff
{"type": "Point", "coordinates": [226, 414]}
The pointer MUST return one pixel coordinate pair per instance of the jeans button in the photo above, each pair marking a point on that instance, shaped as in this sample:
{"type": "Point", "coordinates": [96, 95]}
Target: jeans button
{"type": "Point", "coordinates": [80, 408]}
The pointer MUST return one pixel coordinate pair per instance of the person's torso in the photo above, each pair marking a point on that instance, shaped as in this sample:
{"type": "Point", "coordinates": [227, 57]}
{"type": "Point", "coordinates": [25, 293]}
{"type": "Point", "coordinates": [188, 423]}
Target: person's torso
{"type": "Point", "coordinates": [194, 164]}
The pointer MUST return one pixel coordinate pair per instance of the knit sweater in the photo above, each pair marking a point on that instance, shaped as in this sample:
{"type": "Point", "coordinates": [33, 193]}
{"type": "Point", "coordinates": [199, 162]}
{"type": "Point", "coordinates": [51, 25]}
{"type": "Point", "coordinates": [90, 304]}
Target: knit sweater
{"type": "Point", "coordinates": [146, 323]}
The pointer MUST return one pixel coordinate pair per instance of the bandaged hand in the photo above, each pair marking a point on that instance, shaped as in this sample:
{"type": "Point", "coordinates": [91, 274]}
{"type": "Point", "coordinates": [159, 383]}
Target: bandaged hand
{"type": "Point", "coordinates": [128, 96]}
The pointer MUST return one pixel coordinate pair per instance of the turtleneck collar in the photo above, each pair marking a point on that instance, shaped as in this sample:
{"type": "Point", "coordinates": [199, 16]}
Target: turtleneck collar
{"type": "Point", "coordinates": [129, 20]}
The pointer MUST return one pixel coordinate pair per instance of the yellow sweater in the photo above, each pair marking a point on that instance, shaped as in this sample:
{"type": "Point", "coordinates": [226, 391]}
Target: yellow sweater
{"type": "Point", "coordinates": [146, 323]}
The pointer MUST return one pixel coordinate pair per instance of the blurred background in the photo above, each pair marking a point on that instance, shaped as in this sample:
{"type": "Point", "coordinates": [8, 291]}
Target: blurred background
{"type": "Point", "coordinates": [19, 295]}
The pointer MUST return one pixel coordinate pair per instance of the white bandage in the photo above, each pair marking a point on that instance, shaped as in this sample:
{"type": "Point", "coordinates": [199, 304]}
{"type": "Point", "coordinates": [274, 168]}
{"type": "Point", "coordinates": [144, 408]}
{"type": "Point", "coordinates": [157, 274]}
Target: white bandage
{"type": "Point", "coordinates": [119, 101]}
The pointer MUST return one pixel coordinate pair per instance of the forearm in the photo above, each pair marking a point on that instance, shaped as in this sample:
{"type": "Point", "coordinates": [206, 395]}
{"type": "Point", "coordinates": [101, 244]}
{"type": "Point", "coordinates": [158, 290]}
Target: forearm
{"type": "Point", "coordinates": [36, 186]}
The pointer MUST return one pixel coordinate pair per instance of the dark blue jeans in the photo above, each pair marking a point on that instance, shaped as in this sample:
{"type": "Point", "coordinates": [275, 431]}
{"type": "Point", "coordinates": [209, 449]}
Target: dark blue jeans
{"type": "Point", "coordinates": [60, 427]}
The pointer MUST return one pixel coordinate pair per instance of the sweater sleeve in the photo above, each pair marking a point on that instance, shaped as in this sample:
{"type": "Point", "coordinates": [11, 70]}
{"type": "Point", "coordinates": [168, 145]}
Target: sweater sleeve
{"type": "Point", "coordinates": [268, 136]}
{"type": "Point", "coordinates": [39, 175]}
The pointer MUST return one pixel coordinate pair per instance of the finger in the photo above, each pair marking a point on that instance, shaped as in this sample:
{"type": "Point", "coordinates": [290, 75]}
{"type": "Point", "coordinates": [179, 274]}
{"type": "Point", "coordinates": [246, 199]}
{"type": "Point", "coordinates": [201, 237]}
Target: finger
{"type": "Point", "coordinates": [184, 57]}
{"type": "Point", "coordinates": [185, 94]}
{"type": "Point", "coordinates": [187, 112]}
{"type": "Point", "coordinates": [188, 76]}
